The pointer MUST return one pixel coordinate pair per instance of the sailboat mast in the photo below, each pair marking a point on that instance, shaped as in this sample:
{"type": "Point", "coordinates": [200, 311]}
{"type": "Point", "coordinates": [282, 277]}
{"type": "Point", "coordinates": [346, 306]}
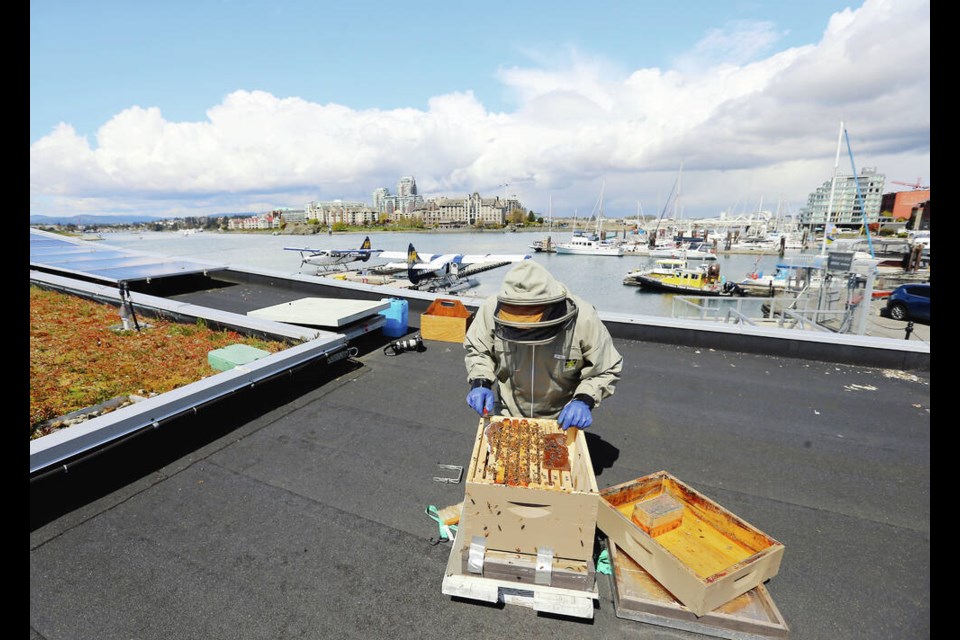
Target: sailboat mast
{"type": "Point", "coordinates": [833, 186]}
{"type": "Point", "coordinates": [676, 203]}
{"type": "Point", "coordinates": [548, 245]}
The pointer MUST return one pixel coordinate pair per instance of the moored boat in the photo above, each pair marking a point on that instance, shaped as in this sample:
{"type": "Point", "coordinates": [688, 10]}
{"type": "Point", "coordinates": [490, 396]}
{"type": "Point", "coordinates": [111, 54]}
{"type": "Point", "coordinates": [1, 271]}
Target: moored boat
{"type": "Point", "coordinates": [543, 246]}
{"type": "Point", "coordinates": [699, 251]}
{"type": "Point", "coordinates": [594, 245]}
{"type": "Point", "coordinates": [663, 266]}
{"type": "Point", "coordinates": [792, 275]}
{"type": "Point", "coordinates": [546, 245]}
{"type": "Point", "coordinates": [676, 276]}
{"type": "Point", "coordinates": [583, 245]}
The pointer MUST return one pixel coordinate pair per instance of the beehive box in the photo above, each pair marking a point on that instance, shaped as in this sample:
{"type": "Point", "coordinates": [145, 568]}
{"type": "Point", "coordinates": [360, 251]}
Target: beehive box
{"type": "Point", "coordinates": [523, 497]}
{"type": "Point", "coordinates": [637, 596]}
{"type": "Point", "coordinates": [445, 320]}
{"type": "Point", "coordinates": [711, 558]}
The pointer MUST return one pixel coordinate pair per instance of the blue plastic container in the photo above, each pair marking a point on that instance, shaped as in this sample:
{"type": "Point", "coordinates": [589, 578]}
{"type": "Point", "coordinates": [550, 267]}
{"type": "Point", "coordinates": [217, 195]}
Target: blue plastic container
{"type": "Point", "coordinates": [397, 317]}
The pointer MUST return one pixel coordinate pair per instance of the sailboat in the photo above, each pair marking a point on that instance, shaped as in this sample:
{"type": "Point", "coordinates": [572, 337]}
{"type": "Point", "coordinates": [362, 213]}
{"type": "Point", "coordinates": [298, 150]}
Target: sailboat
{"type": "Point", "coordinates": [545, 245]}
{"type": "Point", "coordinates": [593, 245]}
{"type": "Point", "coordinates": [659, 247]}
{"type": "Point", "coordinates": [638, 244]}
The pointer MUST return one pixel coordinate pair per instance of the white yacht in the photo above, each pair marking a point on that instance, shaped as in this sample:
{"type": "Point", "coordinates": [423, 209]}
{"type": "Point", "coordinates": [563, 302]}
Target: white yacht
{"type": "Point", "coordinates": [583, 245]}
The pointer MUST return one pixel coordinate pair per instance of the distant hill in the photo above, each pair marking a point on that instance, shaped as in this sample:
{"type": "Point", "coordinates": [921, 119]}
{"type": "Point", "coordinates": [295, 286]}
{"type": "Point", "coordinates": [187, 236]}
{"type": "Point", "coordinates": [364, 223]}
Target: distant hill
{"type": "Point", "coordinates": [108, 220]}
{"type": "Point", "coordinates": [92, 220]}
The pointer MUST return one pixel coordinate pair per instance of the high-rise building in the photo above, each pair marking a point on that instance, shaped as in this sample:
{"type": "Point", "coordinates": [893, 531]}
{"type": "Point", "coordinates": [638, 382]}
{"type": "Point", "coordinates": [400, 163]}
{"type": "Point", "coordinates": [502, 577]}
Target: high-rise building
{"type": "Point", "coordinates": [406, 186]}
{"type": "Point", "coordinates": [405, 202]}
{"type": "Point", "coordinates": [846, 202]}
{"type": "Point", "coordinates": [378, 196]}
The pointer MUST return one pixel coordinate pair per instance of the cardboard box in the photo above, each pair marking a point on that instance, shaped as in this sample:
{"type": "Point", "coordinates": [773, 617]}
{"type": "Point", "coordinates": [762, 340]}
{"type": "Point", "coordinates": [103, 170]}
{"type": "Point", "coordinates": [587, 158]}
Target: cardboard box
{"type": "Point", "coordinates": [710, 559]}
{"type": "Point", "coordinates": [556, 511]}
{"type": "Point", "coordinates": [445, 320]}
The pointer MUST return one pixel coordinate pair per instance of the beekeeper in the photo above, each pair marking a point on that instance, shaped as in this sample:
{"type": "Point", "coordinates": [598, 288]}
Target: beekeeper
{"type": "Point", "coordinates": [544, 350]}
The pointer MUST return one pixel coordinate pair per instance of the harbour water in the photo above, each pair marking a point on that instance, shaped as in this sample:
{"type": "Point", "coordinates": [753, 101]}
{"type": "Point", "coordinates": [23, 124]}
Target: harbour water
{"type": "Point", "coordinates": [598, 279]}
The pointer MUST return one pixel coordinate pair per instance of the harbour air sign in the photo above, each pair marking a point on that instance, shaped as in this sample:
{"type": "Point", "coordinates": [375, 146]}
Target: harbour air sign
{"type": "Point", "coordinates": [839, 260]}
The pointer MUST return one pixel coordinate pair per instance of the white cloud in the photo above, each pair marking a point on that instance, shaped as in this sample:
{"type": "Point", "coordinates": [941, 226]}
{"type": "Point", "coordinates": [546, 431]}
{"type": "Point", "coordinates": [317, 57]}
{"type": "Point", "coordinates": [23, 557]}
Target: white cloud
{"type": "Point", "coordinates": [744, 126]}
{"type": "Point", "coordinates": [738, 43]}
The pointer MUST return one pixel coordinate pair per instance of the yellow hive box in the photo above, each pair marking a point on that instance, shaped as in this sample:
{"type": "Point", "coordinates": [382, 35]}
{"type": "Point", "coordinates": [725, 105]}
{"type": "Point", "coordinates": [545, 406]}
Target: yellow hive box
{"type": "Point", "coordinates": [709, 559]}
{"type": "Point", "coordinates": [445, 320]}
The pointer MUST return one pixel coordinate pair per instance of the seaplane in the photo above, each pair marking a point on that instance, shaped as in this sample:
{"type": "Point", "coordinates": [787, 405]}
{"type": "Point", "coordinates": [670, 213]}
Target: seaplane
{"type": "Point", "coordinates": [333, 258]}
{"type": "Point", "coordinates": [447, 272]}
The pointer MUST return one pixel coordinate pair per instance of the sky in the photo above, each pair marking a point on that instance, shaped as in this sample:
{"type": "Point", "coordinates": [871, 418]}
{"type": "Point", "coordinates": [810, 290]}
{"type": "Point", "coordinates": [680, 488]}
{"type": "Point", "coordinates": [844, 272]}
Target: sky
{"type": "Point", "coordinates": [699, 108]}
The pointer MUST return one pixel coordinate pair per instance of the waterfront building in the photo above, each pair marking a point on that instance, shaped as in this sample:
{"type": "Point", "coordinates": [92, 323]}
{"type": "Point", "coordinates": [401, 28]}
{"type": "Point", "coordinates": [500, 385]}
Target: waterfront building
{"type": "Point", "coordinates": [330, 212]}
{"type": "Point", "coordinates": [472, 210]}
{"type": "Point", "coordinates": [406, 186]}
{"type": "Point", "coordinates": [912, 207]}
{"type": "Point", "coordinates": [379, 196]}
{"type": "Point", "coordinates": [268, 220]}
{"type": "Point", "coordinates": [854, 200]}
{"type": "Point", "coordinates": [403, 205]}
{"type": "Point", "coordinates": [291, 216]}
{"type": "Point", "coordinates": [407, 205]}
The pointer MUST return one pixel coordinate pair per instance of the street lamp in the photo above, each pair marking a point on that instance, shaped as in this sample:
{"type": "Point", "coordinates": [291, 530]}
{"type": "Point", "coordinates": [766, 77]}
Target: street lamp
{"type": "Point", "coordinates": [506, 209]}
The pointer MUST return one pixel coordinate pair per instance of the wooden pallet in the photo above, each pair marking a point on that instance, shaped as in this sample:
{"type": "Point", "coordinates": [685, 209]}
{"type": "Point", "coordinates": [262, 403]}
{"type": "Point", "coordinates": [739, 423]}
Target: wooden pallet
{"type": "Point", "coordinates": [458, 582]}
{"type": "Point", "coordinates": [637, 596]}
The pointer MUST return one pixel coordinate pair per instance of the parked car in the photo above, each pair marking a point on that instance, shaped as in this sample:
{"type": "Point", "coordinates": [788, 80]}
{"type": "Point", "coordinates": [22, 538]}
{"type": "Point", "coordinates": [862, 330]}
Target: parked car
{"type": "Point", "coordinates": [910, 302]}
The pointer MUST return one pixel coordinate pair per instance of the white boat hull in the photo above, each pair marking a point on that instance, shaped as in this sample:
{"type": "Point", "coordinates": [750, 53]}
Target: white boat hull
{"type": "Point", "coordinates": [590, 251]}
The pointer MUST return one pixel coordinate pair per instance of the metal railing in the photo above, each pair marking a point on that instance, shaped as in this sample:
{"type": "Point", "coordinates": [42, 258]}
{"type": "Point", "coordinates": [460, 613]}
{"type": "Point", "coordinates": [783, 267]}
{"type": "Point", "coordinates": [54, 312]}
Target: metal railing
{"type": "Point", "coordinates": [837, 306]}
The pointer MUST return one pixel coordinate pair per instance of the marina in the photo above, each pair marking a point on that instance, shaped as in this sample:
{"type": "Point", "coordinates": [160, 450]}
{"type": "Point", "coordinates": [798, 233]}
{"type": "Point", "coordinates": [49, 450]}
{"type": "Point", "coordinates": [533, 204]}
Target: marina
{"type": "Point", "coordinates": [600, 279]}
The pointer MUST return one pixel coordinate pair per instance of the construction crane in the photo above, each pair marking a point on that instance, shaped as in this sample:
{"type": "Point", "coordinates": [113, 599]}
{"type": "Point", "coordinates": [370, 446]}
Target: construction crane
{"type": "Point", "coordinates": [915, 185]}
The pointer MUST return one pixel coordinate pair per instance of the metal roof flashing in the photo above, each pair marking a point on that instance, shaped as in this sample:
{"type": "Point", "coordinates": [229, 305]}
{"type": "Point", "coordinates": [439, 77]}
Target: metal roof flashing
{"type": "Point", "coordinates": [84, 437]}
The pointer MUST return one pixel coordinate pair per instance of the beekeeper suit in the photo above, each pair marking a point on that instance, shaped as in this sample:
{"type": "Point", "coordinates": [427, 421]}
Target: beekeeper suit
{"type": "Point", "coordinates": [544, 348]}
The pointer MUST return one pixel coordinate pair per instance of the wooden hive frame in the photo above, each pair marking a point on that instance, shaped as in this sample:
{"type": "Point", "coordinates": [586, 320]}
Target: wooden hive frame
{"type": "Point", "coordinates": [494, 453]}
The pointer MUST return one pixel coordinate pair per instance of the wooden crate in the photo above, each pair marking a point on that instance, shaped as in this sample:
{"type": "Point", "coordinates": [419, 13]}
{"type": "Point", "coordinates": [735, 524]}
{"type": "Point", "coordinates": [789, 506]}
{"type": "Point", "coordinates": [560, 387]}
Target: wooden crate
{"type": "Point", "coordinates": [520, 568]}
{"type": "Point", "coordinates": [445, 320]}
{"type": "Point", "coordinates": [547, 599]}
{"type": "Point", "coordinates": [710, 559]}
{"type": "Point", "coordinates": [637, 596]}
{"type": "Point", "coordinates": [556, 510]}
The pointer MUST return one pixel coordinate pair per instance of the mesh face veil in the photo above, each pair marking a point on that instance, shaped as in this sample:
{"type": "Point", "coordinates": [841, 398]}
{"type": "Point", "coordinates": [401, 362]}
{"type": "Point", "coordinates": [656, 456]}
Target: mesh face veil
{"type": "Point", "coordinates": [532, 307]}
{"type": "Point", "coordinates": [556, 318]}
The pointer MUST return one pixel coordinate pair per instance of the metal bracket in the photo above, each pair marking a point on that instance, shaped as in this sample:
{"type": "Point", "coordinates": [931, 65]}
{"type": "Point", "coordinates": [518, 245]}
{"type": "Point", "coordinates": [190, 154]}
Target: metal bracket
{"type": "Point", "coordinates": [452, 467]}
{"type": "Point", "coordinates": [544, 565]}
{"type": "Point", "coordinates": [478, 547]}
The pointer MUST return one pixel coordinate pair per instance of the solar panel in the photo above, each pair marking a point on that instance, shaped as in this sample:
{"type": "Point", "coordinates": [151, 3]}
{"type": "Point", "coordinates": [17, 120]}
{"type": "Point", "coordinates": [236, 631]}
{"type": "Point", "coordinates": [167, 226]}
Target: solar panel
{"type": "Point", "coordinates": [68, 255]}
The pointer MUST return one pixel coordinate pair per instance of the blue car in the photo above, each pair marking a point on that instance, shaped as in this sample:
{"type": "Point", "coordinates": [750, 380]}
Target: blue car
{"type": "Point", "coordinates": [910, 302]}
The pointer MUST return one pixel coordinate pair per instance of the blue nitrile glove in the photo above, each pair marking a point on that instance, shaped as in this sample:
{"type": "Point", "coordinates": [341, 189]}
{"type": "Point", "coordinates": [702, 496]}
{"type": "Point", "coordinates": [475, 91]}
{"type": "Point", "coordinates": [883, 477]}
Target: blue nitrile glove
{"type": "Point", "coordinates": [480, 398]}
{"type": "Point", "coordinates": [575, 414]}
